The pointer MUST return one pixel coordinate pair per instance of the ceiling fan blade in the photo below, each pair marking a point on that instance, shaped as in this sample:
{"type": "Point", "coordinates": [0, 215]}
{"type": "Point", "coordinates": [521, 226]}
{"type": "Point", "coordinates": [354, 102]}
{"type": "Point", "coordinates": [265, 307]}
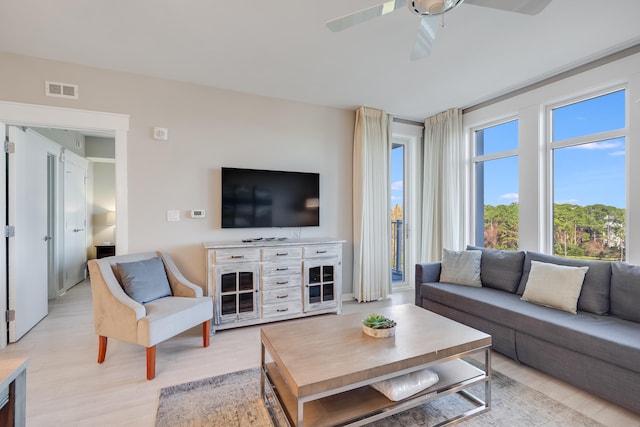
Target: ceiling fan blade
{"type": "Point", "coordinates": [426, 35]}
{"type": "Point", "coordinates": [365, 15]}
{"type": "Point", "coordinates": [528, 7]}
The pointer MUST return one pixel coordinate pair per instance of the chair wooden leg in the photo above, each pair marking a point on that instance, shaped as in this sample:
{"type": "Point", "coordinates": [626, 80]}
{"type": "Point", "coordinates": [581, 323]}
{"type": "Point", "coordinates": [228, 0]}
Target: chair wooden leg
{"type": "Point", "coordinates": [102, 348]}
{"type": "Point", "coordinates": [206, 333]}
{"type": "Point", "coordinates": [151, 362]}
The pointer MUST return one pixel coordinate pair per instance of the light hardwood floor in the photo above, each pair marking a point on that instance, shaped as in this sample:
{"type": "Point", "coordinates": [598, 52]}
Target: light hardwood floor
{"type": "Point", "coordinates": [66, 387]}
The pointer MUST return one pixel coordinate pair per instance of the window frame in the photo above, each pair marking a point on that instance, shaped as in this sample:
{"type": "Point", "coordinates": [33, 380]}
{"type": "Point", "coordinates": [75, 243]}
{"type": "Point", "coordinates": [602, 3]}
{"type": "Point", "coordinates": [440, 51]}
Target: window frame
{"type": "Point", "coordinates": [475, 231]}
{"type": "Point", "coordinates": [550, 146]}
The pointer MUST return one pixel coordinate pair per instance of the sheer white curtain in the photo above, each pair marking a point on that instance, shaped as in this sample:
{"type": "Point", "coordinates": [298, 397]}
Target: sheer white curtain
{"type": "Point", "coordinates": [443, 190]}
{"type": "Point", "coordinates": [371, 205]}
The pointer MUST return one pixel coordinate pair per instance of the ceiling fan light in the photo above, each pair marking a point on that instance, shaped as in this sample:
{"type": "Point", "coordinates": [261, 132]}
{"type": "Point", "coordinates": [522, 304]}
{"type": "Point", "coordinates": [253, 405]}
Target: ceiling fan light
{"type": "Point", "coordinates": [432, 7]}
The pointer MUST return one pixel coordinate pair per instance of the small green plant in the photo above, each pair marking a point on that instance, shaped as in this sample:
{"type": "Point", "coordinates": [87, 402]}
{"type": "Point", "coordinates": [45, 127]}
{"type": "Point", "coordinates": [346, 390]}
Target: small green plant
{"type": "Point", "coordinates": [378, 321]}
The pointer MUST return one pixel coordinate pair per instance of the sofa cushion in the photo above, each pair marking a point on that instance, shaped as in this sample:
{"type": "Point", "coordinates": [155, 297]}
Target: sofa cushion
{"type": "Point", "coordinates": [625, 291]}
{"type": "Point", "coordinates": [555, 286]}
{"type": "Point", "coordinates": [603, 337]}
{"type": "Point", "coordinates": [461, 267]}
{"type": "Point", "coordinates": [500, 269]}
{"type": "Point", "coordinates": [144, 280]}
{"type": "Point", "coordinates": [594, 297]}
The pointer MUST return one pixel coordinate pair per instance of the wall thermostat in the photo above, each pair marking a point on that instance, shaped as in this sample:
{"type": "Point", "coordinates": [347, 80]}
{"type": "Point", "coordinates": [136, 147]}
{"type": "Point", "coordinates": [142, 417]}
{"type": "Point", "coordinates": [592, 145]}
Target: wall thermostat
{"type": "Point", "coordinates": [198, 213]}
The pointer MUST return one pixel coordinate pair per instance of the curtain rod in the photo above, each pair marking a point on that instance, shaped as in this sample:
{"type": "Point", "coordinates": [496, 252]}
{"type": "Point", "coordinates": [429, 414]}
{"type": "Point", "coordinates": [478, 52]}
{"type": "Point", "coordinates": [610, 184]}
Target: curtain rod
{"type": "Point", "coordinates": [407, 121]}
{"type": "Point", "coordinates": [606, 59]}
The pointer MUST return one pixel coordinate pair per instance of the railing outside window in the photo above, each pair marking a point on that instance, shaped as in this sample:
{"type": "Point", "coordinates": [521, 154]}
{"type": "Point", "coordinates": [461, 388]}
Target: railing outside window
{"type": "Point", "coordinates": [397, 250]}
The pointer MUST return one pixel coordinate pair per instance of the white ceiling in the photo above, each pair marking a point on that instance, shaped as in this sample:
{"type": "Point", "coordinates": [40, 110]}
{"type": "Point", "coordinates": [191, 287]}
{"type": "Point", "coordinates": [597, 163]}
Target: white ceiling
{"type": "Point", "coordinates": [281, 48]}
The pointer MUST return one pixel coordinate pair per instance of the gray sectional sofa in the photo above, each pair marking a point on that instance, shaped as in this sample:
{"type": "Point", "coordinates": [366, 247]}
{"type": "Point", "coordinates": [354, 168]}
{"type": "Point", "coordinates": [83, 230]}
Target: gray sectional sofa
{"type": "Point", "coordinates": [597, 349]}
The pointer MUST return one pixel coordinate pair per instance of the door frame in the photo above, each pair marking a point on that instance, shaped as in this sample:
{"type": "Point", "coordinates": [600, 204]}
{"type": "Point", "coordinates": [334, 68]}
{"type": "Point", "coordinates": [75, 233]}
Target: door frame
{"type": "Point", "coordinates": [410, 136]}
{"type": "Point", "coordinates": [21, 114]}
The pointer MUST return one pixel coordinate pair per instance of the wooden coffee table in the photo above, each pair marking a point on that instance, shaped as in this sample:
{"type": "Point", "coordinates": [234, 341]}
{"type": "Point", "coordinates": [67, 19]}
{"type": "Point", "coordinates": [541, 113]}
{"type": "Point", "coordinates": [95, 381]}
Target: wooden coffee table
{"type": "Point", "coordinates": [319, 369]}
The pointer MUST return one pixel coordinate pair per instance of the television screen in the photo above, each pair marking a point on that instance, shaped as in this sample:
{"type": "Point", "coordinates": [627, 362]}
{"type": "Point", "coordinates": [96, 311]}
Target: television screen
{"type": "Point", "coordinates": [265, 198]}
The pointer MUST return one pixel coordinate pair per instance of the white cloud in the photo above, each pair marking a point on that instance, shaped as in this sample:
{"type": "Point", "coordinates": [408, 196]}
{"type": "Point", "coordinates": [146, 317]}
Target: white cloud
{"type": "Point", "coordinates": [396, 186]}
{"type": "Point", "coordinates": [510, 196]}
{"type": "Point", "coordinates": [604, 145]}
{"type": "Point", "coordinates": [618, 153]}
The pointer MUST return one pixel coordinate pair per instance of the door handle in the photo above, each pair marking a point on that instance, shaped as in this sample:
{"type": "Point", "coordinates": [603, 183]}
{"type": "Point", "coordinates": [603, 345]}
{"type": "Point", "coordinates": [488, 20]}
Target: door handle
{"type": "Point", "coordinates": [75, 230]}
{"type": "Point", "coordinates": [47, 238]}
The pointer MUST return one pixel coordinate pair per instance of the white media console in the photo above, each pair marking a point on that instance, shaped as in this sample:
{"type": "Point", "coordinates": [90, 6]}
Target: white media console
{"type": "Point", "coordinates": [268, 280]}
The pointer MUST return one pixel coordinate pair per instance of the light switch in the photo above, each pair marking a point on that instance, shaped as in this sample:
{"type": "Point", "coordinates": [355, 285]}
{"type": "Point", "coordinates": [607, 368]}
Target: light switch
{"type": "Point", "coordinates": [173, 215]}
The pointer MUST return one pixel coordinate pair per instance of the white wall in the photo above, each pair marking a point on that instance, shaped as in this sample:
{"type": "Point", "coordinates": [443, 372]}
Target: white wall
{"type": "Point", "coordinates": [530, 108]}
{"type": "Point", "coordinates": [208, 129]}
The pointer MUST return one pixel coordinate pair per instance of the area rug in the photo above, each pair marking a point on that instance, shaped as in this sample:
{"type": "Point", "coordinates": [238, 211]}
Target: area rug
{"type": "Point", "coordinates": [233, 400]}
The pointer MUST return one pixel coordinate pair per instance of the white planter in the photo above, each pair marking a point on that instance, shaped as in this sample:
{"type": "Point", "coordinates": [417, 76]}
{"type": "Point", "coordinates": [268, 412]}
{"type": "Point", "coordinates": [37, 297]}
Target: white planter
{"type": "Point", "coordinates": [379, 333]}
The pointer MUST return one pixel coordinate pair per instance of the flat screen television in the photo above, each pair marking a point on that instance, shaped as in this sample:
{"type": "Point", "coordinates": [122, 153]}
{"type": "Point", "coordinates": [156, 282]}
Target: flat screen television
{"type": "Point", "coordinates": [266, 198]}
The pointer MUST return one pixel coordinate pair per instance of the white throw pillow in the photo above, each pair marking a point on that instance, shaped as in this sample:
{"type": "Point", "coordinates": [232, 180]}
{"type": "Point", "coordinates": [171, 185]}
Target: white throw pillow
{"type": "Point", "coordinates": [461, 267]}
{"type": "Point", "coordinates": [401, 387]}
{"type": "Point", "coordinates": [555, 286]}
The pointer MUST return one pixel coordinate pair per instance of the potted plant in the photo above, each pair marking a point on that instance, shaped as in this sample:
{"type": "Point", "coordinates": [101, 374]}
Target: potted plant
{"type": "Point", "coordinates": [378, 326]}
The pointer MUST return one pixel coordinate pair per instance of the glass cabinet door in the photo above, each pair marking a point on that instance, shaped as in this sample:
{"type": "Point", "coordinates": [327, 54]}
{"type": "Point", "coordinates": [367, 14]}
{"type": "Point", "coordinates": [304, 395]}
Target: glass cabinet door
{"type": "Point", "coordinates": [320, 285]}
{"type": "Point", "coordinates": [237, 286]}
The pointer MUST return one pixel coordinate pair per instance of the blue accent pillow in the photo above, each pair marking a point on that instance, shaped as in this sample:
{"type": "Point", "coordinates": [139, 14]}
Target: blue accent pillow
{"type": "Point", "coordinates": [144, 280]}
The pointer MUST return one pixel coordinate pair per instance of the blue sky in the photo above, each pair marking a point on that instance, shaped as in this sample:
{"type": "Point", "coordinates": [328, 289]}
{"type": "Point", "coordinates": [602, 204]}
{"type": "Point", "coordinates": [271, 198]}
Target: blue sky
{"type": "Point", "coordinates": [396, 176]}
{"type": "Point", "coordinates": [583, 175]}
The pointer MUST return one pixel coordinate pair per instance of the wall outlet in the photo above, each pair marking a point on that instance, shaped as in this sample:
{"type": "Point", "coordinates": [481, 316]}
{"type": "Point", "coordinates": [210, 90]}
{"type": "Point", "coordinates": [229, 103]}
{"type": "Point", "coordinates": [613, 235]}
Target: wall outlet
{"type": "Point", "coordinates": [160, 134]}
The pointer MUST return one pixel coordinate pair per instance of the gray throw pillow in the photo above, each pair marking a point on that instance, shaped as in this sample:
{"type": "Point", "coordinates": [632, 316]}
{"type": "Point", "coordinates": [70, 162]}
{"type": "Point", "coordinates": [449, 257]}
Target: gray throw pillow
{"type": "Point", "coordinates": [594, 297]}
{"type": "Point", "coordinates": [144, 280]}
{"type": "Point", "coordinates": [500, 269]}
{"type": "Point", "coordinates": [461, 267]}
{"type": "Point", "coordinates": [625, 291]}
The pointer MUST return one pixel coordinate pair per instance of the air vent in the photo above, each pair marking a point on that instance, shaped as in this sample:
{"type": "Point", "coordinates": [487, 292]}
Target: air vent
{"type": "Point", "coordinates": [61, 90]}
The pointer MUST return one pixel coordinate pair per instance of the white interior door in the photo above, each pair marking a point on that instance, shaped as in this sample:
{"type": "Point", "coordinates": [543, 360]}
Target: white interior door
{"type": "Point", "coordinates": [27, 211]}
{"type": "Point", "coordinates": [75, 219]}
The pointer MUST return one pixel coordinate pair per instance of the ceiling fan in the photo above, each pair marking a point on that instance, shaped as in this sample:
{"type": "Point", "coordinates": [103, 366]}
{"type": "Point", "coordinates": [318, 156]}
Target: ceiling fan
{"type": "Point", "coordinates": [428, 11]}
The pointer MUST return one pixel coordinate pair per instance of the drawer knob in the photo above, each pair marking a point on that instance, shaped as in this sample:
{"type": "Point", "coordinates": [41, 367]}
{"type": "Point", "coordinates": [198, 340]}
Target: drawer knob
{"type": "Point", "coordinates": [280, 310]}
{"type": "Point", "coordinates": [282, 254]}
{"type": "Point", "coordinates": [282, 269]}
{"type": "Point", "coordinates": [282, 283]}
{"type": "Point", "coordinates": [321, 252]}
{"type": "Point", "coordinates": [237, 256]}
{"type": "Point", "coordinates": [282, 296]}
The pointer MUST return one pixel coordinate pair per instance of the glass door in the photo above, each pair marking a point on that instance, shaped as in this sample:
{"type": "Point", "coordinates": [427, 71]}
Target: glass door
{"type": "Point", "coordinates": [320, 285]}
{"type": "Point", "coordinates": [397, 215]}
{"type": "Point", "coordinates": [238, 293]}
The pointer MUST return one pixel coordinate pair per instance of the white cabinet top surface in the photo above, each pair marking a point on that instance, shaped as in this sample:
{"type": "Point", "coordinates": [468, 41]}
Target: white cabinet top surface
{"type": "Point", "coordinates": [269, 242]}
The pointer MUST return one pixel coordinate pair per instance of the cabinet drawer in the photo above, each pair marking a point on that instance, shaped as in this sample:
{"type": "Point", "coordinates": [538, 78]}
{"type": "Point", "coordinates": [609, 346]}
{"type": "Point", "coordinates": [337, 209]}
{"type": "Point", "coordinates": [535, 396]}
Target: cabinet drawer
{"type": "Point", "coordinates": [284, 309]}
{"type": "Point", "coordinates": [224, 256]}
{"type": "Point", "coordinates": [321, 251]}
{"type": "Point", "coordinates": [287, 268]}
{"type": "Point", "coordinates": [283, 253]}
{"type": "Point", "coordinates": [277, 282]}
{"type": "Point", "coordinates": [279, 296]}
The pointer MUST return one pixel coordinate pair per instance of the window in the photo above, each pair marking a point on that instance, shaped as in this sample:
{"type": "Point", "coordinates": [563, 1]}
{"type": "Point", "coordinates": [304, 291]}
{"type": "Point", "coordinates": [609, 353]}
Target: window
{"type": "Point", "coordinates": [496, 178]}
{"type": "Point", "coordinates": [589, 193]}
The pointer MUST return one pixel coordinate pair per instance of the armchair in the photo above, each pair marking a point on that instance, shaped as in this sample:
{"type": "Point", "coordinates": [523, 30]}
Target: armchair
{"type": "Point", "coordinates": [147, 323]}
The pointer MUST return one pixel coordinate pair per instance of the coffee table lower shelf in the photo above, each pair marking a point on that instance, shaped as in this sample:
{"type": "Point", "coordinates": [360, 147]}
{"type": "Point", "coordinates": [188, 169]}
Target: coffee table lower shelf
{"type": "Point", "coordinates": [363, 405]}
